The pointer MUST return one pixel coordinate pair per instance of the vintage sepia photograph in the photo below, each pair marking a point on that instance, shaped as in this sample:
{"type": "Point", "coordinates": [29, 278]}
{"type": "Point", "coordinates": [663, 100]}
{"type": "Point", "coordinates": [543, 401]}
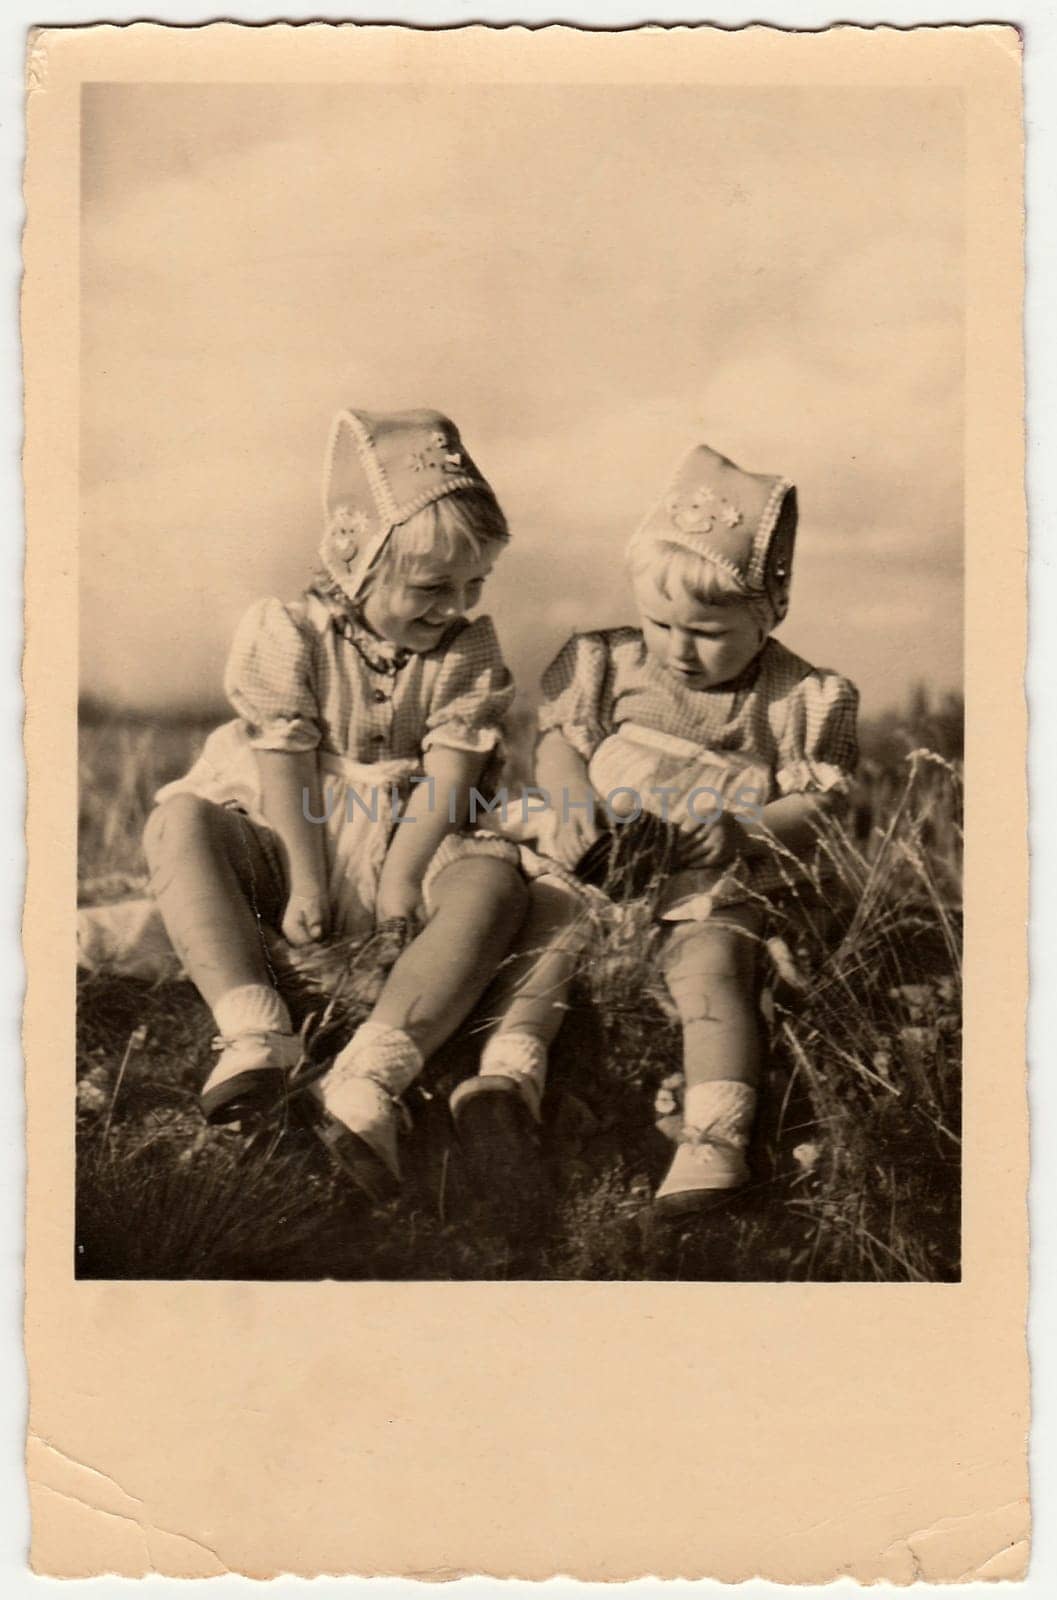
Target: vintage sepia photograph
{"type": "Point", "coordinates": [520, 717]}
{"type": "Point", "coordinates": [526, 860]}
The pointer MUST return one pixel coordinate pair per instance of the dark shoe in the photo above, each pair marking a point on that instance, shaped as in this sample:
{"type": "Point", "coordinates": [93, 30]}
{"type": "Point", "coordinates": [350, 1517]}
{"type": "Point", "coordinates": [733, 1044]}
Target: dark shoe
{"type": "Point", "coordinates": [249, 1079]}
{"type": "Point", "coordinates": [366, 1154]}
{"type": "Point", "coordinates": [500, 1139]}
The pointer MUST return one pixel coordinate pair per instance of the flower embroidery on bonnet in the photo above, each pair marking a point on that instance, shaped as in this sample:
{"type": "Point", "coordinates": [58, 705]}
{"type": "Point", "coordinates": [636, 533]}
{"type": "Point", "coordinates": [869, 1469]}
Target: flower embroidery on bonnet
{"type": "Point", "coordinates": [742, 522]}
{"type": "Point", "coordinates": [348, 527]}
{"type": "Point", "coordinates": [436, 455]}
{"type": "Point", "coordinates": [701, 510]}
{"type": "Point", "coordinates": [381, 469]}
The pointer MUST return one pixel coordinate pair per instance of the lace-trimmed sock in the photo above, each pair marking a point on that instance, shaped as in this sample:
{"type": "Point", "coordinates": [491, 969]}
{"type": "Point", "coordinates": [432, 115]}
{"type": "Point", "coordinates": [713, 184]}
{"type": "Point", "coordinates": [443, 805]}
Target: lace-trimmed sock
{"type": "Point", "coordinates": [376, 1050]}
{"type": "Point", "coordinates": [723, 1108]}
{"type": "Point", "coordinates": [257, 1049]}
{"type": "Point", "coordinates": [253, 1008]}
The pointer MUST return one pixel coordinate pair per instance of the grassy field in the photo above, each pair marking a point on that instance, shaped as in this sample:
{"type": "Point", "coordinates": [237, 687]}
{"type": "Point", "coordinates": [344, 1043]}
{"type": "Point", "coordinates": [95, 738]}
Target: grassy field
{"type": "Point", "coordinates": [856, 1157]}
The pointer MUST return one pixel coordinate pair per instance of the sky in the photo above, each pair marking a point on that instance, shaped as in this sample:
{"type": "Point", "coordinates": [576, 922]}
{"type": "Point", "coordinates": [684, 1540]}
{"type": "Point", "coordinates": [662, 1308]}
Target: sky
{"type": "Point", "coordinates": [588, 279]}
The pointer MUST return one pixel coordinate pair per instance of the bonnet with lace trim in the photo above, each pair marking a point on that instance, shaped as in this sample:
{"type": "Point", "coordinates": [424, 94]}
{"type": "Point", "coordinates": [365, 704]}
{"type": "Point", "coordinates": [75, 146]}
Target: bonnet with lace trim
{"type": "Point", "coordinates": [743, 522]}
{"type": "Point", "coordinates": [380, 469]}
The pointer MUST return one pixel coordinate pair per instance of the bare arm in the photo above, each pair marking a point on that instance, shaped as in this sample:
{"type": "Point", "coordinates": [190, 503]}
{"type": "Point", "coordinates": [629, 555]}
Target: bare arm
{"type": "Point", "coordinates": [562, 772]}
{"type": "Point", "coordinates": [558, 765]}
{"type": "Point", "coordinates": [435, 809]}
{"type": "Point", "coordinates": [794, 820]}
{"type": "Point", "coordinates": [290, 788]}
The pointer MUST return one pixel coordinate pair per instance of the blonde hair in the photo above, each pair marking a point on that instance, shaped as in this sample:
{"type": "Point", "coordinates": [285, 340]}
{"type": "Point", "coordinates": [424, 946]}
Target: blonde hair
{"type": "Point", "coordinates": [703, 580]}
{"type": "Point", "coordinates": [467, 521]}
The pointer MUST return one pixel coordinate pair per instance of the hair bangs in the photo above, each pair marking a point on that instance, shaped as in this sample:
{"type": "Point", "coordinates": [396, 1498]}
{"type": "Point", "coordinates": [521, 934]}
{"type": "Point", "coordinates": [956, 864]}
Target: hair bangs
{"type": "Point", "coordinates": [673, 568]}
{"type": "Point", "coordinates": [466, 522]}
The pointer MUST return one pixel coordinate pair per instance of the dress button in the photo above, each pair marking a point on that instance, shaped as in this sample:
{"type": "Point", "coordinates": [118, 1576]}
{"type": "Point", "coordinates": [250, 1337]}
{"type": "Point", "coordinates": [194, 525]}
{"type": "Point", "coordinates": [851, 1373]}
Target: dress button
{"type": "Point", "coordinates": [379, 696]}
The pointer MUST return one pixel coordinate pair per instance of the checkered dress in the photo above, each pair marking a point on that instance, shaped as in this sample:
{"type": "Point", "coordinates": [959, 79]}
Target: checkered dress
{"type": "Point", "coordinates": [782, 727]}
{"type": "Point", "coordinates": [304, 677]}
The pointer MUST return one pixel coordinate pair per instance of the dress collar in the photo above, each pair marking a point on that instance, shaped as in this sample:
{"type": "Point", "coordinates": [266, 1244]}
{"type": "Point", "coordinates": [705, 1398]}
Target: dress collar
{"type": "Point", "coordinates": [377, 654]}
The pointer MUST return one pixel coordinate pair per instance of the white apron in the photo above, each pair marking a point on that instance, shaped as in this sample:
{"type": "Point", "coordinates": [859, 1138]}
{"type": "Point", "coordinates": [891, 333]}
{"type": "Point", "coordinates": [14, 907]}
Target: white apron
{"type": "Point", "coordinates": [359, 808]}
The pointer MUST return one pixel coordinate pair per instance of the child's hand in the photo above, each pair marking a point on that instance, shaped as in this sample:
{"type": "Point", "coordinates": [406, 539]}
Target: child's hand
{"type": "Point", "coordinates": [305, 918]}
{"type": "Point", "coordinates": [713, 844]}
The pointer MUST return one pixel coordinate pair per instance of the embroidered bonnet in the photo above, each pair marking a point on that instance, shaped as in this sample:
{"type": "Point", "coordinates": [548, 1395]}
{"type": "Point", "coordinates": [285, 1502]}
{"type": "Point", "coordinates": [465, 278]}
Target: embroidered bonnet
{"type": "Point", "coordinates": [744, 522]}
{"type": "Point", "coordinates": [380, 469]}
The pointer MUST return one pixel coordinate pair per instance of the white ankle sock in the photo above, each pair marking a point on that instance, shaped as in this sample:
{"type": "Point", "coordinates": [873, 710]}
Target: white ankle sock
{"type": "Point", "coordinates": [725, 1107]}
{"type": "Point", "coordinates": [521, 1056]}
{"type": "Point", "coordinates": [388, 1055]}
{"type": "Point", "coordinates": [253, 1008]}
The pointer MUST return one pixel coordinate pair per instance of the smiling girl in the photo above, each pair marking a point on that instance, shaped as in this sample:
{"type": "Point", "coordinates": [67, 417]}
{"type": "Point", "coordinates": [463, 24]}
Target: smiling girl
{"type": "Point", "coordinates": [701, 718]}
{"type": "Point", "coordinates": [338, 799]}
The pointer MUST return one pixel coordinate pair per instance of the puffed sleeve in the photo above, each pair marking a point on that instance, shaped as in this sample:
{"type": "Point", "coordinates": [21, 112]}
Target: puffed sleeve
{"type": "Point", "coordinates": [819, 747]}
{"type": "Point", "coordinates": [269, 679]}
{"type": "Point", "coordinates": [472, 693]}
{"type": "Point", "coordinates": [574, 687]}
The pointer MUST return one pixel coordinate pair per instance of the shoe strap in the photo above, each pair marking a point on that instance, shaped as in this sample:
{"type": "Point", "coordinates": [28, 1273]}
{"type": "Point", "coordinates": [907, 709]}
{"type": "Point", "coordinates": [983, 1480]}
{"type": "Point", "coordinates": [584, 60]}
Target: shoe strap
{"type": "Point", "coordinates": [223, 1042]}
{"type": "Point", "coordinates": [396, 1101]}
{"type": "Point", "coordinates": [704, 1136]}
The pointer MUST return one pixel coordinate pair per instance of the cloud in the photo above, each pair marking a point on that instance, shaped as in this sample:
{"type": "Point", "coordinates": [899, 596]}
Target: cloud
{"type": "Point", "coordinates": [590, 280]}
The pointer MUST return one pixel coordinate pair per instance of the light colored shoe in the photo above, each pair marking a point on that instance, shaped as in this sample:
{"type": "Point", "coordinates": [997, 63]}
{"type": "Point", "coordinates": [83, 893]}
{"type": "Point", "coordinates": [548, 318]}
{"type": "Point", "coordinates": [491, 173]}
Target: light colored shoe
{"type": "Point", "coordinates": [250, 1076]}
{"type": "Point", "coordinates": [698, 1169]}
{"type": "Point", "coordinates": [717, 1121]}
{"type": "Point", "coordinates": [359, 1122]}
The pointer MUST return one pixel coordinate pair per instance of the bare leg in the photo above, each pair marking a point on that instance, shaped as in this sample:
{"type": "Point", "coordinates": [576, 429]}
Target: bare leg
{"type": "Point", "coordinates": [497, 1113]}
{"type": "Point", "coordinates": [212, 885]}
{"type": "Point", "coordinates": [438, 980]}
{"type": "Point", "coordinates": [529, 993]}
{"type": "Point", "coordinates": [710, 971]}
{"type": "Point", "coordinates": [215, 889]}
{"type": "Point", "coordinates": [479, 903]}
